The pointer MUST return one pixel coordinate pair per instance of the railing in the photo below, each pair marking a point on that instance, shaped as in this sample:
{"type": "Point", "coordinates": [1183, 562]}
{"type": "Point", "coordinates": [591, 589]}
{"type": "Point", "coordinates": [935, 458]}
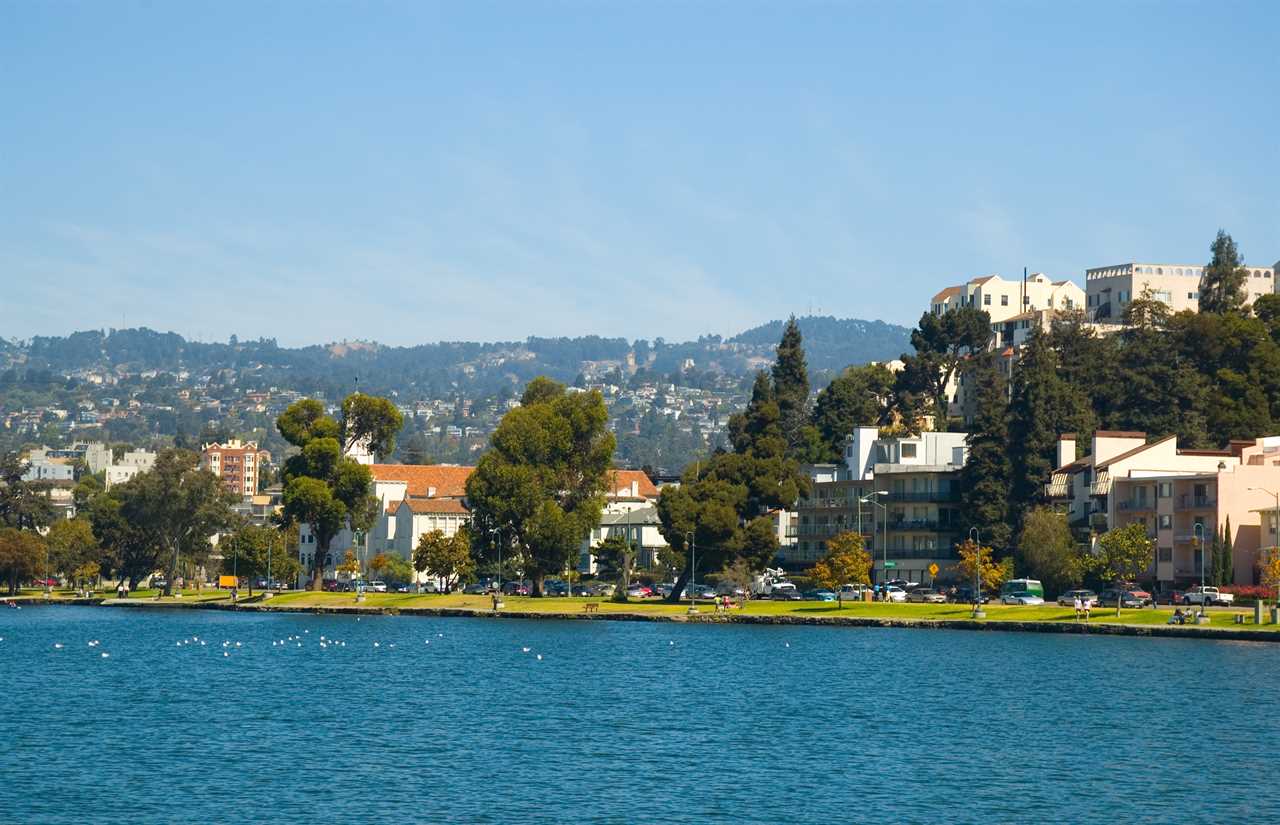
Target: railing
{"type": "Point", "coordinates": [898, 553]}
{"type": "Point", "coordinates": [914, 524]}
{"type": "Point", "coordinates": [1139, 504]}
{"type": "Point", "coordinates": [934, 495]}
{"type": "Point", "coordinates": [1186, 501]}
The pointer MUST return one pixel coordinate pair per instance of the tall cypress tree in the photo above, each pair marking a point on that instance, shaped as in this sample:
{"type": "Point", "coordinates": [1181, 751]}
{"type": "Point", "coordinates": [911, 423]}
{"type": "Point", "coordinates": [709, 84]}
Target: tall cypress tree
{"type": "Point", "coordinates": [791, 385]}
{"type": "Point", "coordinates": [1226, 568]}
{"type": "Point", "coordinates": [985, 478]}
{"type": "Point", "coordinates": [1222, 287]}
{"type": "Point", "coordinates": [1035, 416]}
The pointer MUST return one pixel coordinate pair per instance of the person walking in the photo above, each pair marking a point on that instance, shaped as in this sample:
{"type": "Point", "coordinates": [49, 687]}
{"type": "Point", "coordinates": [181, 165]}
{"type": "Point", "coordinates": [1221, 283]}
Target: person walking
{"type": "Point", "coordinates": [1079, 605]}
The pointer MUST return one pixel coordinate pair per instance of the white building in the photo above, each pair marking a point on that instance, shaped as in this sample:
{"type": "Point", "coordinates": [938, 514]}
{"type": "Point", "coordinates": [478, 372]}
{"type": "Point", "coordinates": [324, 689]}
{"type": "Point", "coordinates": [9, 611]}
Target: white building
{"type": "Point", "coordinates": [1001, 298]}
{"type": "Point", "coordinates": [1110, 288]}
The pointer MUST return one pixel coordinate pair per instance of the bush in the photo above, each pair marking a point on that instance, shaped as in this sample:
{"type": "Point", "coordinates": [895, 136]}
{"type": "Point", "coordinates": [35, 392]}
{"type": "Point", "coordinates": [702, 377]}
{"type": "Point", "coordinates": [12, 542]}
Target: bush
{"type": "Point", "coordinates": [1250, 592]}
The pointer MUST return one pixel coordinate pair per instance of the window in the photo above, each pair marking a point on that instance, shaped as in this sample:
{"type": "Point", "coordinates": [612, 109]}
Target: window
{"type": "Point", "coordinates": [1166, 522]}
{"type": "Point", "coordinates": [1004, 300]}
{"type": "Point", "coordinates": [1166, 554]}
{"type": "Point", "coordinates": [1191, 296]}
{"type": "Point", "coordinates": [908, 451]}
{"type": "Point", "coordinates": [986, 300]}
{"type": "Point", "coordinates": [1165, 489]}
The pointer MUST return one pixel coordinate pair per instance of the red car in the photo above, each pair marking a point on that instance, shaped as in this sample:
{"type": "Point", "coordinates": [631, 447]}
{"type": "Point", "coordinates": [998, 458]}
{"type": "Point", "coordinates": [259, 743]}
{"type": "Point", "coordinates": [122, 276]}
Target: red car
{"type": "Point", "coordinates": [45, 582]}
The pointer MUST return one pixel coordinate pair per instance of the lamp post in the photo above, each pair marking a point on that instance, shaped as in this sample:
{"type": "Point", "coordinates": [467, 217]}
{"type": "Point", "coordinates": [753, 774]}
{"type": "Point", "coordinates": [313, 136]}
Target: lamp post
{"type": "Point", "coordinates": [976, 537]}
{"type": "Point", "coordinates": [1275, 528]}
{"type": "Point", "coordinates": [873, 499]}
{"type": "Point", "coordinates": [1197, 530]}
{"type": "Point", "coordinates": [271, 544]}
{"type": "Point", "coordinates": [48, 589]}
{"type": "Point", "coordinates": [693, 571]}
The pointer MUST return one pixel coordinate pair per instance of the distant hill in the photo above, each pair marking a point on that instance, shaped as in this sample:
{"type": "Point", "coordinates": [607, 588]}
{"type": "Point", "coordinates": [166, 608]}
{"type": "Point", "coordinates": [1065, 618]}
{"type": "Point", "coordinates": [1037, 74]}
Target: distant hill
{"type": "Point", "coordinates": [445, 367]}
{"type": "Point", "coordinates": [834, 343]}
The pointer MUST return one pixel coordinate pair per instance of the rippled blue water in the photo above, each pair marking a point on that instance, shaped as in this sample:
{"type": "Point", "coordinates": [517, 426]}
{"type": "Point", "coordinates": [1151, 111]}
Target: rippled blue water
{"type": "Point", "coordinates": [620, 722]}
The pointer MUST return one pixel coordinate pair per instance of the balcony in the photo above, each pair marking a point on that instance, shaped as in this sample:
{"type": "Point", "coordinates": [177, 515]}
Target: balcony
{"type": "Point", "coordinates": [933, 495]}
{"type": "Point", "coordinates": [1187, 502]}
{"type": "Point", "coordinates": [1136, 504]}
{"type": "Point", "coordinates": [919, 524]}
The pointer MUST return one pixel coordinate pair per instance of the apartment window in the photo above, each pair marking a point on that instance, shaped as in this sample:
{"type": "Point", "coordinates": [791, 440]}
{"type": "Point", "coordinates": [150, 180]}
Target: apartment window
{"type": "Point", "coordinates": [908, 451]}
{"type": "Point", "coordinates": [1191, 296]}
{"type": "Point", "coordinates": [1004, 300]}
{"type": "Point", "coordinates": [986, 300]}
{"type": "Point", "coordinates": [1166, 522]}
{"type": "Point", "coordinates": [1166, 554]}
{"type": "Point", "coordinates": [1165, 489]}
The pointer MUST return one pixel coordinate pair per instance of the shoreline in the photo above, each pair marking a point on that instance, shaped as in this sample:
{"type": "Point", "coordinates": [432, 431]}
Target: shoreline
{"type": "Point", "coordinates": [1012, 626]}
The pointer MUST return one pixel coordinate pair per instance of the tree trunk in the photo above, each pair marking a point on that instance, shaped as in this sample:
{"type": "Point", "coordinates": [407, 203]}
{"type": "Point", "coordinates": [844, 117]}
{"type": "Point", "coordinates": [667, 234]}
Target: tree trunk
{"type": "Point", "coordinates": [537, 584]}
{"type": "Point", "coordinates": [317, 567]}
{"type": "Point", "coordinates": [678, 590]}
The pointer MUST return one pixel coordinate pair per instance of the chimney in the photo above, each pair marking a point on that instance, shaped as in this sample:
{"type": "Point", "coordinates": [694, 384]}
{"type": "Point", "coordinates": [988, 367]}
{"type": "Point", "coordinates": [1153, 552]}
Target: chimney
{"type": "Point", "coordinates": [635, 489]}
{"type": "Point", "coordinates": [431, 492]}
{"type": "Point", "coordinates": [1066, 449]}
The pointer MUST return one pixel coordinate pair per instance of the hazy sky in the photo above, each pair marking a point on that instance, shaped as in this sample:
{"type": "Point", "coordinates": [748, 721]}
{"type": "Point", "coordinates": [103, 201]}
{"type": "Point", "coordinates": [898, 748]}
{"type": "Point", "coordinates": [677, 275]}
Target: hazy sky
{"type": "Point", "coordinates": [412, 172]}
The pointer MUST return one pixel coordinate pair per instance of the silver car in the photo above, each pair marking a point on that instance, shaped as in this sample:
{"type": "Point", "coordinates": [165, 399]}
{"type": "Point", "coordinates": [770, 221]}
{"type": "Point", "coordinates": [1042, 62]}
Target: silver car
{"type": "Point", "coordinates": [1087, 597]}
{"type": "Point", "coordinates": [1021, 597]}
{"type": "Point", "coordinates": [926, 595]}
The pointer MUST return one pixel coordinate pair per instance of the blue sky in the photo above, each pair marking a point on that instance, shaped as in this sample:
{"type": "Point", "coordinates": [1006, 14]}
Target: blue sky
{"type": "Point", "coordinates": [411, 172]}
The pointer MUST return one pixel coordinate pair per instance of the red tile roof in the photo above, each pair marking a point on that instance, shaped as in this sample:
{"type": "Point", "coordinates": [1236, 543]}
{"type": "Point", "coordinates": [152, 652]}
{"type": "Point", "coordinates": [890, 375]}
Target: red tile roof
{"type": "Point", "coordinates": [435, 505]}
{"type": "Point", "coordinates": [449, 481]}
{"type": "Point", "coordinates": [619, 484]}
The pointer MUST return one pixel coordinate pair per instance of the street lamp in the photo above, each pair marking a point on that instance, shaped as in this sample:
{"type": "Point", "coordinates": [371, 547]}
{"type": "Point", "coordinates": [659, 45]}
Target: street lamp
{"type": "Point", "coordinates": [1275, 527]}
{"type": "Point", "coordinates": [693, 570]}
{"type": "Point", "coordinates": [1197, 530]}
{"type": "Point", "coordinates": [873, 498]}
{"type": "Point", "coordinates": [976, 537]}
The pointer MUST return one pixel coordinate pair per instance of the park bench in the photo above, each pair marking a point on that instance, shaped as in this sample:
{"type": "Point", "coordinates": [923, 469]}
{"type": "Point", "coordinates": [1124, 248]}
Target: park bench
{"type": "Point", "coordinates": [591, 607]}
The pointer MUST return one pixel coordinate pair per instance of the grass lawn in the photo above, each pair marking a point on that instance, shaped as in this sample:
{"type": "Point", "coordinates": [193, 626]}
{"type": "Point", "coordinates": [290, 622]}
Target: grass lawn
{"type": "Point", "coordinates": [953, 612]}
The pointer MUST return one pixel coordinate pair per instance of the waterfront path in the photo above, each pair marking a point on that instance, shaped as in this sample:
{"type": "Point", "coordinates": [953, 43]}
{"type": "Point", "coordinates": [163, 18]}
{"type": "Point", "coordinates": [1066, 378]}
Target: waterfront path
{"type": "Point", "coordinates": [1049, 618]}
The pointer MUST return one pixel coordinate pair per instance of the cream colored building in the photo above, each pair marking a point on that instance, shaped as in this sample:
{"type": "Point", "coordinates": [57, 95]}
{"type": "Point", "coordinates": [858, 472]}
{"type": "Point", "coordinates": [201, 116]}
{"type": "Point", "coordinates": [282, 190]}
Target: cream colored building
{"type": "Point", "coordinates": [1002, 299]}
{"type": "Point", "coordinates": [1181, 495]}
{"type": "Point", "coordinates": [1109, 289]}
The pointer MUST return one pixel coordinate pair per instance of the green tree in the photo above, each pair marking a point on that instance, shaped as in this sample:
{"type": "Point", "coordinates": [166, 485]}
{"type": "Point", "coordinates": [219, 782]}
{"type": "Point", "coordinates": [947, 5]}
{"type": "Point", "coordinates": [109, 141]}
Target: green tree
{"type": "Point", "coordinates": [166, 514]}
{"type": "Point", "coordinates": [21, 556]}
{"type": "Point", "coordinates": [254, 551]}
{"type": "Point", "coordinates": [845, 562]}
{"type": "Point", "coordinates": [860, 396]}
{"type": "Point", "coordinates": [942, 342]}
{"type": "Point", "coordinates": [23, 504]}
{"type": "Point", "coordinates": [544, 475]}
{"type": "Point", "coordinates": [1124, 553]}
{"type": "Point", "coordinates": [1222, 287]}
{"type": "Point", "coordinates": [71, 544]}
{"type": "Point", "coordinates": [616, 555]}
{"type": "Point", "coordinates": [1046, 550]}
{"type": "Point", "coordinates": [1226, 564]}
{"type": "Point", "coordinates": [323, 487]}
{"type": "Point", "coordinates": [985, 477]}
{"type": "Point", "coordinates": [1042, 407]}
{"type": "Point", "coordinates": [791, 386]}
{"type": "Point", "coordinates": [447, 558]}
{"type": "Point", "coordinates": [758, 428]}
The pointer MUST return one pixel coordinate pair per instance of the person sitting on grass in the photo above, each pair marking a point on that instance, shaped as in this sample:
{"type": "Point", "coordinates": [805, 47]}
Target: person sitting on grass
{"type": "Point", "coordinates": [1178, 617]}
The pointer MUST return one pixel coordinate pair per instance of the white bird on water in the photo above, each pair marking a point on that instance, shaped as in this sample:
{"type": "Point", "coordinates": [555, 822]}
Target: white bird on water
{"type": "Point", "coordinates": [376, 644]}
{"type": "Point", "coordinates": [106, 655]}
{"type": "Point", "coordinates": [539, 657]}
{"type": "Point", "coordinates": [788, 644]}
{"type": "Point", "coordinates": [57, 645]}
{"type": "Point", "coordinates": [524, 650]}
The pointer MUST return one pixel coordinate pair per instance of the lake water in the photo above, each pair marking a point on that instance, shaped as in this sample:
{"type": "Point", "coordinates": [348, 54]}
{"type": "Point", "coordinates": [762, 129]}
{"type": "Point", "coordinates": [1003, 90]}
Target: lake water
{"type": "Point", "coordinates": [449, 720]}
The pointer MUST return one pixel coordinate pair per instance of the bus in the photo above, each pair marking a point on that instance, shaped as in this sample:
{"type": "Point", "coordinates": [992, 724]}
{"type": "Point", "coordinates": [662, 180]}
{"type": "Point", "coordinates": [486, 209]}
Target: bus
{"type": "Point", "coordinates": [1022, 586]}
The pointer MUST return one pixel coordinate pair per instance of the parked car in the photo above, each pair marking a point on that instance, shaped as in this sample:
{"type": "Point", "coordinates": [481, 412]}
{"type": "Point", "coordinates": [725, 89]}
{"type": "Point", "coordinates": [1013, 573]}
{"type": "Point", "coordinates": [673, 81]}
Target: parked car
{"type": "Point", "coordinates": [515, 588]}
{"type": "Point", "coordinates": [331, 585]}
{"type": "Point", "coordinates": [907, 586]}
{"type": "Point", "coordinates": [158, 582]}
{"type": "Point", "coordinates": [1208, 595]}
{"type": "Point", "coordinates": [852, 592]}
{"type": "Point", "coordinates": [702, 591]}
{"type": "Point", "coordinates": [819, 596]}
{"type": "Point", "coordinates": [377, 586]}
{"type": "Point", "coordinates": [1068, 599]}
{"type": "Point", "coordinates": [476, 589]}
{"type": "Point", "coordinates": [926, 595]}
{"type": "Point", "coordinates": [785, 594]}
{"type": "Point", "coordinates": [1126, 598]}
{"type": "Point", "coordinates": [964, 595]}
{"type": "Point", "coordinates": [554, 587]}
{"type": "Point", "coordinates": [727, 589]}
{"type": "Point", "coordinates": [580, 590]}
{"type": "Point", "coordinates": [601, 589]}
{"type": "Point", "coordinates": [893, 593]}
{"type": "Point", "coordinates": [663, 590]}
{"type": "Point", "coordinates": [1025, 597]}
{"type": "Point", "coordinates": [1176, 597]}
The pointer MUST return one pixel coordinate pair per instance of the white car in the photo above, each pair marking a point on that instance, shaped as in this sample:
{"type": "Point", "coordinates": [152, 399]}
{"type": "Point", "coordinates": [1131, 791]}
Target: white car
{"type": "Point", "coordinates": [1021, 597]}
{"type": "Point", "coordinates": [894, 593]}
{"type": "Point", "coordinates": [378, 586]}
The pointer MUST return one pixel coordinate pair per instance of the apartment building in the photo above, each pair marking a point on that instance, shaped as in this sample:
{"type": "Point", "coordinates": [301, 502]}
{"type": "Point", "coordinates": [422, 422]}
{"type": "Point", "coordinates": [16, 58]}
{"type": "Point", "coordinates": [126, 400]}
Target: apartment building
{"type": "Point", "coordinates": [1184, 496]}
{"type": "Point", "coordinates": [1109, 289]}
{"type": "Point", "coordinates": [1002, 299]}
{"type": "Point", "coordinates": [236, 463]}
{"type": "Point", "coordinates": [129, 465]}
{"type": "Point", "coordinates": [630, 512]}
{"type": "Point", "coordinates": [901, 494]}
